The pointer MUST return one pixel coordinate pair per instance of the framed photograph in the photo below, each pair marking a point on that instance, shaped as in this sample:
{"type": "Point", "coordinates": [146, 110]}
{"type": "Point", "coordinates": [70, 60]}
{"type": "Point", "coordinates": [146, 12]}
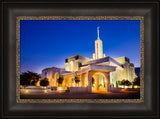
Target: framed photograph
{"type": "Point", "coordinates": [97, 79]}
{"type": "Point", "coordinates": [80, 59]}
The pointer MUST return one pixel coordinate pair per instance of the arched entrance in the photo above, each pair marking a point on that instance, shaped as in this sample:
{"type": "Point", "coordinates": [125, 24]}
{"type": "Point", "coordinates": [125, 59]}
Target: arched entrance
{"type": "Point", "coordinates": [56, 76]}
{"type": "Point", "coordinates": [99, 82]}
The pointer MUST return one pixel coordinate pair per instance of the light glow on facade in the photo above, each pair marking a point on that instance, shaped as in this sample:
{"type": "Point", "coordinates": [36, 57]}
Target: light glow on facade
{"type": "Point", "coordinates": [106, 71]}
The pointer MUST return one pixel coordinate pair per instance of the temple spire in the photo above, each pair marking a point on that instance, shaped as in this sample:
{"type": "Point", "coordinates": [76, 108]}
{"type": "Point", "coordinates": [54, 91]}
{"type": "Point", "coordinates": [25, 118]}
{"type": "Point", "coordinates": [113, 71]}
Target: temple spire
{"type": "Point", "coordinates": [98, 47]}
{"type": "Point", "coordinates": [98, 32]}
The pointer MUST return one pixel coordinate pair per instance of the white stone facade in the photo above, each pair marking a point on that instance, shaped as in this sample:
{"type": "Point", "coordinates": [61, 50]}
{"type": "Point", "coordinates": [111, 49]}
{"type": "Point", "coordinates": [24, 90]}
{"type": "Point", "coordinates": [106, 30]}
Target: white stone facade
{"type": "Point", "coordinates": [112, 70]}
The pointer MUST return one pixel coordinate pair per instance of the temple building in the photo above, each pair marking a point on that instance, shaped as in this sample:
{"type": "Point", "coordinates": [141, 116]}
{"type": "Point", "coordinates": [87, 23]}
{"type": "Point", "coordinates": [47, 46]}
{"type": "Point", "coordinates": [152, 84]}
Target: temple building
{"type": "Point", "coordinates": [97, 74]}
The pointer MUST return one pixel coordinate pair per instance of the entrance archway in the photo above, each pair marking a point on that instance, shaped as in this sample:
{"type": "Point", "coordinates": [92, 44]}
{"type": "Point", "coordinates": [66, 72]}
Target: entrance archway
{"type": "Point", "coordinates": [99, 82]}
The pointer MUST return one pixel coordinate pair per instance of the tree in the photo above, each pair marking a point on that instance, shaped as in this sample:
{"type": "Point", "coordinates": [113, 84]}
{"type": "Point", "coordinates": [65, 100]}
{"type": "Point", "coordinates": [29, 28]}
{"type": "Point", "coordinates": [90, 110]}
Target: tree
{"type": "Point", "coordinates": [44, 82]}
{"type": "Point", "coordinates": [100, 85]}
{"type": "Point", "coordinates": [77, 80]}
{"type": "Point", "coordinates": [60, 81]}
{"type": "Point", "coordinates": [29, 78]}
{"type": "Point", "coordinates": [136, 81]}
{"type": "Point", "coordinates": [33, 82]}
{"type": "Point", "coordinates": [118, 83]}
{"type": "Point", "coordinates": [128, 83]}
{"type": "Point", "coordinates": [125, 82]}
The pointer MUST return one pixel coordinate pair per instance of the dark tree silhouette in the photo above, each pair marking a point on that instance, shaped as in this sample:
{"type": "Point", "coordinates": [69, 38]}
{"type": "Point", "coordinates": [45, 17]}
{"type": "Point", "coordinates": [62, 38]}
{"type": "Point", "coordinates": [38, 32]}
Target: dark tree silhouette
{"type": "Point", "coordinates": [44, 82]}
{"type": "Point", "coordinates": [60, 81]}
{"type": "Point", "coordinates": [125, 82]}
{"type": "Point", "coordinates": [136, 81]}
{"type": "Point", "coordinates": [29, 78]}
{"type": "Point", "coordinates": [77, 80]}
{"type": "Point", "coordinates": [128, 83]}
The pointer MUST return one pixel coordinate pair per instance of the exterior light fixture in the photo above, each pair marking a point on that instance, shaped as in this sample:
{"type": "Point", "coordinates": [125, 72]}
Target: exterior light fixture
{"type": "Point", "coordinates": [45, 91]}
{"type": "Point", "coordinates": [26, 91]}
{"type": "Point", "coordinates": [59, 88]}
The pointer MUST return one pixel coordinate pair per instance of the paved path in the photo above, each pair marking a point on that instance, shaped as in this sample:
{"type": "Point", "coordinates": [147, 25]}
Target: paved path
{"type": "Point", "coordinates": [56, 95]}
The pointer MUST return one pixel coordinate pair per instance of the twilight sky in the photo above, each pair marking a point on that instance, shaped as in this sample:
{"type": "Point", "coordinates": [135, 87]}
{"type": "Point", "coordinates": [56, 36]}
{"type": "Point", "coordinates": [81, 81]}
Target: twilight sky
{"type": "Point", "coordinates": [46, 43]}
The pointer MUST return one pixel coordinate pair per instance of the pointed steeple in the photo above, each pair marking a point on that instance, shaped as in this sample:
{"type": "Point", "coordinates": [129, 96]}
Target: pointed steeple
{"type": "Point", "coordinates": [98, 47]}
{"type": "Point", "coordinates": [98, 32]}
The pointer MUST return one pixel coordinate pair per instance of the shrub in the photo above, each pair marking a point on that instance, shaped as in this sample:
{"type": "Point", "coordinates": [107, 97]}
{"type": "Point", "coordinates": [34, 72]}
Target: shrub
{"type": "Point", "coordinates": [100, 86]}
{"type": "Point", "coordinates": [60, 80]}
{"type": "Point", "coordinates": [77, 80]}
{"type": "Point", "coordinates": [125, 82]}
{"type": "Point", "coordinates": [44, 82]}
{"type": "Point", "coordinates": [128, 83]}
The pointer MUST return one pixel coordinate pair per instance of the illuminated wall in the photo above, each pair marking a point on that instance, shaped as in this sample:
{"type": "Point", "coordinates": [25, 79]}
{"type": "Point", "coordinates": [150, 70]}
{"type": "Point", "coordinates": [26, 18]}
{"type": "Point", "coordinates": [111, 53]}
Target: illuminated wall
{"type": "Point", "coordinates": [73, 63]}
{"type": "Point", "coordinates": [124, 69]}
{"type": "Point", "coordinates": [126, 73]}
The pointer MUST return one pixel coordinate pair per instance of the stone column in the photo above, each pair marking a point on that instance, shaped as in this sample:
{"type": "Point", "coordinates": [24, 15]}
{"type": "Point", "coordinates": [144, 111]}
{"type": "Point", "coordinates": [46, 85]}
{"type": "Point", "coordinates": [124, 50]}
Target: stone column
{"type": "Point", "coordinates": [108, 82]}
{"type": "Point", "coordinates": [80, 80]}
{"type": "Point", "coordinates": [89, 78]}
{"type": "Point", "coordinates": [96, 82]}
{"type": "Point", "coordinates": [83, 80]}
{"type": "Point", "coordinates": [51, 82]}
{"type": "Point", "coordinates": [64, 82]}
{"type": "Point", "coordinates": [70, 82]}
{"type": "Point", "coordinates": [54, 82]}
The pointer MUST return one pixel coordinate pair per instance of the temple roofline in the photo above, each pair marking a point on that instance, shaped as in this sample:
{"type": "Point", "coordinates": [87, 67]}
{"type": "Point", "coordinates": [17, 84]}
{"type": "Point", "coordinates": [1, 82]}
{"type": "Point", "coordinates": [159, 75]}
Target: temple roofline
{"type": "Point", "coordinates": [53, 68]}
{"type": "Point", "coordinates": [105, 68]}
{"type": "Point", "coordinates": [101, 60]}
{"type": "Point", "coordinates": [78, 55]}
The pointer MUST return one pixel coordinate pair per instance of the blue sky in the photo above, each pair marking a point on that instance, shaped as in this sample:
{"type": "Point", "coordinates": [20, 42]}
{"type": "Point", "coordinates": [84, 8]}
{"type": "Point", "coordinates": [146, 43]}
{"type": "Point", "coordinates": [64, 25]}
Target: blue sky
{"type": "Point", "coordinates": [46, 43]}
